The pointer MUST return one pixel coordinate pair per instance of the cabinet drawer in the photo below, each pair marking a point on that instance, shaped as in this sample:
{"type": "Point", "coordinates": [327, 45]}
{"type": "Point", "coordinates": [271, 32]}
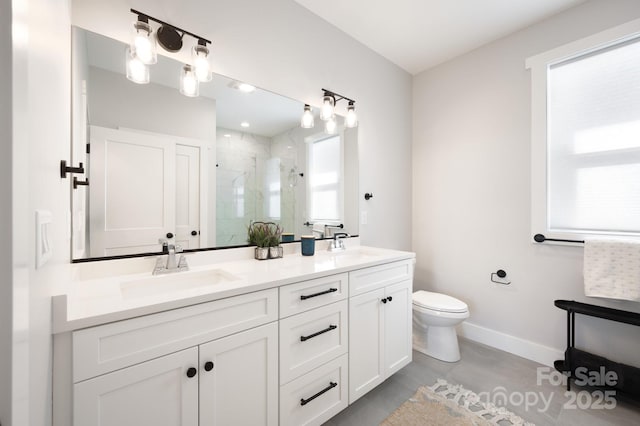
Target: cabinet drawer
{"type": "Point", "coordinates": [368, 279]}
{"type": "Point", "coordinates": [300, 297]}
{"type": "Point", "coordinates": [312, 338]}
{"type": "Point", "coordinates": [315, 397]}
{"type": "Point", "coordinates": [108, 347]}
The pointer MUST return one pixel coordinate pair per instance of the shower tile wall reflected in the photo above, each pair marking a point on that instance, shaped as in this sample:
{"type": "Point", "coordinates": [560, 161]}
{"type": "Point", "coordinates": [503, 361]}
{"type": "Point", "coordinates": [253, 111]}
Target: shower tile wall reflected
{"type": "Point", "coordinates": [254, 182]}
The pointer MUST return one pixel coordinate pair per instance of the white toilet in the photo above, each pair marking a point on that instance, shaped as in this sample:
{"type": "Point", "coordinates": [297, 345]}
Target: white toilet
{"type": "Point", "coordinates": [435, 317]}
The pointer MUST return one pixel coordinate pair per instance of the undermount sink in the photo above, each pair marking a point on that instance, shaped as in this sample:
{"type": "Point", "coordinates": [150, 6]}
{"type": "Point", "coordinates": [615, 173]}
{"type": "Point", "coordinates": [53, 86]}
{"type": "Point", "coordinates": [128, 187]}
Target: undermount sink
{"type": "Point", "coordinates": [356, 253]}
{"type": "Point", "coordinates": [179, 281]}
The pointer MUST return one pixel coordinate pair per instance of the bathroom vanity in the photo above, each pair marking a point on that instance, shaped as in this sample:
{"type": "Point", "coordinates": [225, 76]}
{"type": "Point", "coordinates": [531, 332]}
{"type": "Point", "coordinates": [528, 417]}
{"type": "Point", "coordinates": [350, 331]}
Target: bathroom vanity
{"type": "Point", "coordinates": [290, 341]}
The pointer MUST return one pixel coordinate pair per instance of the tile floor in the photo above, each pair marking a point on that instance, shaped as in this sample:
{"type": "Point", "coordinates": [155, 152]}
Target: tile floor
{"type": "Point", "coordinates": [484, 369]}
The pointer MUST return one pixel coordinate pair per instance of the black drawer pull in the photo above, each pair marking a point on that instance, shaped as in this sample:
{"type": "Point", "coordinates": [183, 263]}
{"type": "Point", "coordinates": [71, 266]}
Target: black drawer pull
{"type": "Point", "coordinates": [331, 290]}
{"type": "Point", "coordinates": [305, 338]}
{"type": "Point", "coordinates": [327, 389]}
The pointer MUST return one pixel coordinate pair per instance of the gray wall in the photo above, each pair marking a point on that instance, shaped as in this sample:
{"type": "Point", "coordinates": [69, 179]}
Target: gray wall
{"type": "Point", "coordinates": [471, 199]}
{"type": "Point", "coordinates": [6, 271]}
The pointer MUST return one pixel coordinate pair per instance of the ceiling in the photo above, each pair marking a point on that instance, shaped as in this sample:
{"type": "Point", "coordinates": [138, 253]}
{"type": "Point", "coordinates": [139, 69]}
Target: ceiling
{"type": "Point", "coordinates": [419, 34]}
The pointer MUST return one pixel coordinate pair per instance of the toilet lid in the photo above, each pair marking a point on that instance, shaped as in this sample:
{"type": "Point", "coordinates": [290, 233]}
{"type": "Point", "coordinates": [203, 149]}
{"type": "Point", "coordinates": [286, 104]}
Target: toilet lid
{"type": "Point", "coordinates": [438, 302]}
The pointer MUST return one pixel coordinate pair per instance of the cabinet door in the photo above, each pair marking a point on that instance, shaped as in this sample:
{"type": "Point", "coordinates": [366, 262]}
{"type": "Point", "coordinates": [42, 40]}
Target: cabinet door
{"type": "Point", "coordinates": [366, 343]}
{"type": "Point", "coordinates": [156, 392]}
{"type": "Point", "coordinates": [241, 386]}
{"type": "Point", "coordinates": [397, 327]}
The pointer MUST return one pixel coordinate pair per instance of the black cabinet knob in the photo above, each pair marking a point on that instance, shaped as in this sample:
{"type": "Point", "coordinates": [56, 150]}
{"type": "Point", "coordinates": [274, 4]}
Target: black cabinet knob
{"type": "Point", "coordinates": [389, 298]}
{"type": "Point", "coordinates": [169, 235]}
{"type": "Point", "coordinates": [191, 372]}
{"type": "Point", "coordinates": [384, 300]}
{"type": "Point", "coordinates": [194, 233]}
{"type": "Point", "coordinates": [208, 366]}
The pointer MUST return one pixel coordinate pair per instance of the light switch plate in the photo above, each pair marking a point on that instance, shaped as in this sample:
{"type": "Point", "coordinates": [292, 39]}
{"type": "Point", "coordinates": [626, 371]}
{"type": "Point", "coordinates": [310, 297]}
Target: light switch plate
{"type": "Point", "coordinates": [44, 250]}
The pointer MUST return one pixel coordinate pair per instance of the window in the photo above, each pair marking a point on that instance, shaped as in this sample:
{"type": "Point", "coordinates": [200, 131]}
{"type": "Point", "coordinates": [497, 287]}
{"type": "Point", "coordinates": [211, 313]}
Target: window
{"type": "Point", "coordinates": [324, 202]}
{"type": "Point", "coordinates": [586, 136]}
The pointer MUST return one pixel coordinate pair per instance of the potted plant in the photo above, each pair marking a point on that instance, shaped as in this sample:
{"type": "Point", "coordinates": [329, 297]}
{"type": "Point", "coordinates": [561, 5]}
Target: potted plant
{"type": "Point", "coordinates": [275, 249]}
{"type": "Point", "coordinates": [258, 234]}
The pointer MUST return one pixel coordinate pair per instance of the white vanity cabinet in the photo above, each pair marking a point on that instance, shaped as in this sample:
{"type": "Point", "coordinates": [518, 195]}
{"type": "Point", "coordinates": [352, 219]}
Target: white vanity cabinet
{"type": "Point", "coordinates": [209, 380]}
{"type": "Point", "coordinates": [282, 350]}
{"type": "Point", "coordinates": [380, 324]}
{"type": "Point", "coordinates": [313, 350]}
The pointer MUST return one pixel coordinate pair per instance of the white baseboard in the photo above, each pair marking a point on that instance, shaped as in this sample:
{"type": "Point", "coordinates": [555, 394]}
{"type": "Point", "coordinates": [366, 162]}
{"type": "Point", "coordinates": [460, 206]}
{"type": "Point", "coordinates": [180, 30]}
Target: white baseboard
{"type": "Point", "coordinates": [515, 345]}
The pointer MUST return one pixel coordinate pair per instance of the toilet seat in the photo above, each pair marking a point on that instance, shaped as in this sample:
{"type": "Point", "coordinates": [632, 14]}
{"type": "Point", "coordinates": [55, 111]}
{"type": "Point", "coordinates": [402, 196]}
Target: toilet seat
{"type": "Point", "coordinates": [438, 302]}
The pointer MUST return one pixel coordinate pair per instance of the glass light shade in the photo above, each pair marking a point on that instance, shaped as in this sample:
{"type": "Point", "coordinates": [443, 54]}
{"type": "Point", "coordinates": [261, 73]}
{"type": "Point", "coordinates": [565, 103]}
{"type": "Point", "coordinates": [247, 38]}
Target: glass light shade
{"type": "Point", "coordinates": [331, 126]}
{"type": "Point", "coordinates": [201, 63]}
{"type": "Point", "coordinates": [137, 71]}
{"type": "Point", "coordinates": [307, 120]}
{"type": "Point", "coordinates": [189, 83]}
{"type": "Point", "coordinates": [143, 44]}
{"type": "Point", "coordinates": [351, 120]}
{"type": "Point", "coordinates": [327, 109]}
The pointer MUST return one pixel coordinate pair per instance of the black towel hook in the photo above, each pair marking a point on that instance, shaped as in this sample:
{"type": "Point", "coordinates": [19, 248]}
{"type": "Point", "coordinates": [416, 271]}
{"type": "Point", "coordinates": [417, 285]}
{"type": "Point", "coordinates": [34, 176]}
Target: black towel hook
{"type": "Point", "coordinates": [500, 273]}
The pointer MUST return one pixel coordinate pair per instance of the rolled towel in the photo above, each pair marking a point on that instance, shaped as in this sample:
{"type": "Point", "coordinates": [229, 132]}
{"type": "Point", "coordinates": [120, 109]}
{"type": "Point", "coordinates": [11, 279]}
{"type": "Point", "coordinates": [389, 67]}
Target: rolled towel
{"type": "Point", "coordinates": [612, 269]}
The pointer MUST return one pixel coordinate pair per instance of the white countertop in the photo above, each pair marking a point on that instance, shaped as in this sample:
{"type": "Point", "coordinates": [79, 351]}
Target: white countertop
{"type": "Point", "coordinates": [95, 299]}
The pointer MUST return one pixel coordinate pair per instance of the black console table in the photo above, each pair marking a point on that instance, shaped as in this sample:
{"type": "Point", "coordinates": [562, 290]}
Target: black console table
{"type": "Point", "coordinates": [628, 376]}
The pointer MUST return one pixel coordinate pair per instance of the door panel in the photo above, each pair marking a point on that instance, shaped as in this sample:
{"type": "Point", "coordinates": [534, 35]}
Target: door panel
{"type": "Point", "coordinates": [156, 392]}
{"type": "Point", "coordinates": [366, 342]}
{"type": "Point", "coordinates": [187, 196]}
{"type": "Point", "coordinates": [398, 327]}
{"type": "Point", "coordinates": [132, 193]}
{"type": "Point", "coordinates": [242, 386]}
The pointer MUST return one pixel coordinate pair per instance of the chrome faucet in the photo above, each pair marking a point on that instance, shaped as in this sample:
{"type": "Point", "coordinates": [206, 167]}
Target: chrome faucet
{"type": "Point", "coordinates": [337, 244]}
{"type": "Point", "coordinates": [175, 261]}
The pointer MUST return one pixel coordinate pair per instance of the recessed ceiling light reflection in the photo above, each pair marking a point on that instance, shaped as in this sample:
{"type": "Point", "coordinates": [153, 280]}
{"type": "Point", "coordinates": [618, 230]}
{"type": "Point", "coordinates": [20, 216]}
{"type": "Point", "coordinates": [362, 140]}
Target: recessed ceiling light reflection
{"type": "Point", "coordinates": [244, 124]}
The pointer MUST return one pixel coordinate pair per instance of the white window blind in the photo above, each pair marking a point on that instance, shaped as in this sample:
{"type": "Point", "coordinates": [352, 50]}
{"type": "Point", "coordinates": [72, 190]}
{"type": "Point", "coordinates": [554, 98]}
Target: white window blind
{"type": "Point", "coordinates": [593, 142]}
{"type": "Point", "coordinates": [325, 170]}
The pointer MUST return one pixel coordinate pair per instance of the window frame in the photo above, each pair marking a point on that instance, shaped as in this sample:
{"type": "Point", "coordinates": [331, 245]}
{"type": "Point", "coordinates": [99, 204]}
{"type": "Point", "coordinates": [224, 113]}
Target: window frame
{"type": "Point", "coordinates": [539, 66]}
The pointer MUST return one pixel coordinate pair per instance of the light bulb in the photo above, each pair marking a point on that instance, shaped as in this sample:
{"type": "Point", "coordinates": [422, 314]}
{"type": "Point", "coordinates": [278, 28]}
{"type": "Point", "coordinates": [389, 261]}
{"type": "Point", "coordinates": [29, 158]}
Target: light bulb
{"type": "Point", "coordinates": [143, 45]}
{"type": "Point", "coordinates": [351, 120]}
{"type": "Point", "coordinates": [246, 88]}
{"type": "Point", "coordinates": [137, 71]}
{"type": "Point", "coordinates": [327, 109]}
{"type": "Point", "coordinates": [201, 63]}
{"type": "Point", "coordinates": [331, 126]}
{"type": "Point", "coordinates": [307, 121]}
{"type": "Point", "coordinates": [189, 84]}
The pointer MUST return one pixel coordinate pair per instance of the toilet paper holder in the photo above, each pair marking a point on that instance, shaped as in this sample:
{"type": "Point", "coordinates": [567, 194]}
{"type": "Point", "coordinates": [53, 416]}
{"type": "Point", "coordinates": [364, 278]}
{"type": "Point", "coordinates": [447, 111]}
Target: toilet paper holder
{"type": "Point", "coordinates": [500, 273]}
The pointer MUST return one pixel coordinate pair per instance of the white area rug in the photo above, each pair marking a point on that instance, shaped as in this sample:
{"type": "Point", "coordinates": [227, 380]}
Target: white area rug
{"type": "Point", "coordinates": [444, 404]}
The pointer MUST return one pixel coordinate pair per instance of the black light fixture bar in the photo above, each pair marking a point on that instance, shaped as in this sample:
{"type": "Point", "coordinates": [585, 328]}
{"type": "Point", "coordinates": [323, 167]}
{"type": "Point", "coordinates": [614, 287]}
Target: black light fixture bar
{"type": "Point", "coordinates": [336, 96]}
{"type": "Point", "coordinates": [144, 15]}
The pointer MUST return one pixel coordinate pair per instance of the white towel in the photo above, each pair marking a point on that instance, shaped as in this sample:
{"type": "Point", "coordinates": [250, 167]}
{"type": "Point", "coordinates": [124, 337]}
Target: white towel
{"type": "Point", "coordinates": [612, 269]}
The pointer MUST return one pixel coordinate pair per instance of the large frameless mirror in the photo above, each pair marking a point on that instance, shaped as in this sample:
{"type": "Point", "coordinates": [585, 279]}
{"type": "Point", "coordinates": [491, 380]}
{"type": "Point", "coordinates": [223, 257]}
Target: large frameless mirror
{"type": "Point", "coordinates": [197, 171]}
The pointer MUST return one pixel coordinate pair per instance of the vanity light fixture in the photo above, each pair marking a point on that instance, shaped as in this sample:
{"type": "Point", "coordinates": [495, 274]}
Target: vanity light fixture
{"type": "Point", "coordinates": [331, 126]}
{"type": "Point", "coordinates": [327, 113]}
{"type": "Point", "coordinates": [307, 120]}
{"type": "Point", "coordinates": [189, 83]}
{"type": "Point", "coordinates": [200, 55]}
{"type": "Point", "coordinates": [143, 52]}
{"type": "Point", "coordinates": [351, 120]}
{"type": "Point", "coordinates": [143, 45]}
{"type": "Point", "coordinates": [137, 71]}
{"type": "Point", "coordinates": [328, 106]}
